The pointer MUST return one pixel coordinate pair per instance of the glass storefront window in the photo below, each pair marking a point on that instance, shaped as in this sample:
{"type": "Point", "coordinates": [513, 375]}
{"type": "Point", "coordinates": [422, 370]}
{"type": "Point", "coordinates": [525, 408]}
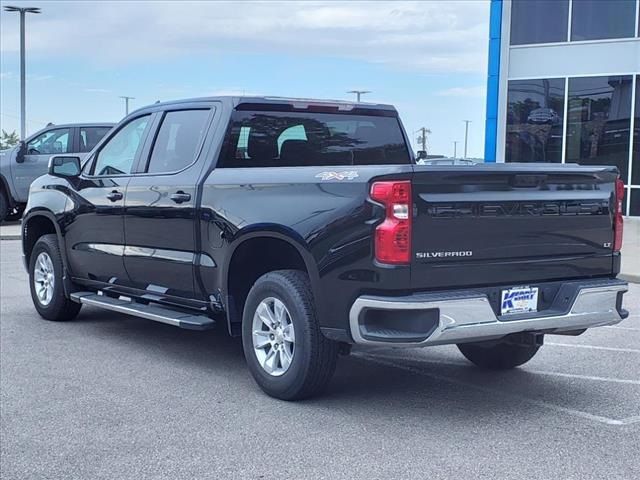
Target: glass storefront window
{"type": "Point", "coordinates": [634, 209]}
{"type": "Point", "coordinates": [539, 21]}
{"type": "Point", "coordinates": [535, 112]}
{"type": "Point", "coordinates": [598, 121]}
{"type": "Point", "coordinates": [635, 169]}
{"type": "Point", "coordinates": [600, 19]}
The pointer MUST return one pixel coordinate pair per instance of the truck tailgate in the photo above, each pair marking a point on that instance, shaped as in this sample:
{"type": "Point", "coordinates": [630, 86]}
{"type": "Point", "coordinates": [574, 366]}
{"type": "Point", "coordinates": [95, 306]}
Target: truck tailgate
{"type": "Point", "coordinates": [511, 223]}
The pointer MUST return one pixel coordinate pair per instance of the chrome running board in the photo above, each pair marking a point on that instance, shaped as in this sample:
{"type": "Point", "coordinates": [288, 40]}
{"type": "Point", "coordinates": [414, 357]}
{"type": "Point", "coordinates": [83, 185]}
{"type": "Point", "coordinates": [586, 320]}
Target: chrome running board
{"type": "Point", "coordinates": [150, 312]}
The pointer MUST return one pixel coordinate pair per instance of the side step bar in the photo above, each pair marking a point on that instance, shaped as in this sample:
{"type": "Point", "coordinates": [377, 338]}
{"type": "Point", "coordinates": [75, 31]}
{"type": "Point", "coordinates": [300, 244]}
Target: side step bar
{"type": "Point", "coordinates": [150, 312]}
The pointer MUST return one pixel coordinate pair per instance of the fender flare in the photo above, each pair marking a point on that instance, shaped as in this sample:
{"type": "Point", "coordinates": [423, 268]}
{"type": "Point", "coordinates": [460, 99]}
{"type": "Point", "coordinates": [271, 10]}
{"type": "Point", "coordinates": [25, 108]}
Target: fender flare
{"type": "Point", "coordinates": [48, 214]}
{"type": "Point", "coordinates": [278, 232]}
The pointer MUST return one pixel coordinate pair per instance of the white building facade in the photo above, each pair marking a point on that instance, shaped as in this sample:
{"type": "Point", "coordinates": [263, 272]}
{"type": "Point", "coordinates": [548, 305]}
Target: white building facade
{"type": "Point", "coordinates": [564, 85]}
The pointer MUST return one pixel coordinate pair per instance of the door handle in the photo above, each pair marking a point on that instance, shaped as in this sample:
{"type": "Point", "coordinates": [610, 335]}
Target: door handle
{"type": "Point", "coordinates": [114, 196]}
{"type": "Point", "coordinates": [180, 197]}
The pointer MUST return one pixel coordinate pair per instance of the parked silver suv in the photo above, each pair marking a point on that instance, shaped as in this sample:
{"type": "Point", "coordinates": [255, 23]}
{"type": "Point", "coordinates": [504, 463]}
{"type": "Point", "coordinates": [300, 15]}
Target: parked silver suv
{"type": "Point", "coordinates": [22, 164]}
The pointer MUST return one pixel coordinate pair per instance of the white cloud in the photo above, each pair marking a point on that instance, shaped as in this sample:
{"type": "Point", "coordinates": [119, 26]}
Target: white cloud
{"type": "Point", "coordinates": [432, 36]}
{"type": "Point", "coordinates": [477, 91]}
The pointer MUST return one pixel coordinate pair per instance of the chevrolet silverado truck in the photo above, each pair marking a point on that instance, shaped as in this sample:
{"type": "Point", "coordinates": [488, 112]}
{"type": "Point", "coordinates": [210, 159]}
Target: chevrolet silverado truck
{"type": "Point", "coordinates": [23, 163]}
{"type": "Point", "coordinates": [306, 227]}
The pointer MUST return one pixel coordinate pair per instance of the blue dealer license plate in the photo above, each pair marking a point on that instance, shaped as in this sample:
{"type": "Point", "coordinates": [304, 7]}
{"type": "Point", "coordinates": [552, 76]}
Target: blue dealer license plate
{"type": "Point", "coordinates": [519, 300]}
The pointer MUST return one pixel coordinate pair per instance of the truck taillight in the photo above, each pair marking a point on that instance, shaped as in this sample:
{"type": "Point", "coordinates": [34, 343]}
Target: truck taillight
{"type": "Point", "coordinates": [617, 216]}
{"type": "Point", "coordinates": [392, 242]}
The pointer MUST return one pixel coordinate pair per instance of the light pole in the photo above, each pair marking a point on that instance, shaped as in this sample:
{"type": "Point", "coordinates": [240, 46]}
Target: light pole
{"type": "Point", "coordinates": [23, 11]}
{"type": "Point", "coordinates": [466, 136]}
{"type": "Point", "coordinates": [358, 93]}
{"type": "Point", "coordinates": [423, 137]}
{"type": "Point", "coordinates": [455, 149]}
{"type": "Point", "coordinates": [126, 104]}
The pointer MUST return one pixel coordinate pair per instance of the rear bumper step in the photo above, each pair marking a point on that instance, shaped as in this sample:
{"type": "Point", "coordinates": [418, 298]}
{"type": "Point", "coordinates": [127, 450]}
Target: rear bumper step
{"type": "Point", "coordinates": [458, 317]}
{"type": "Point", "coordinates": [150, 312]}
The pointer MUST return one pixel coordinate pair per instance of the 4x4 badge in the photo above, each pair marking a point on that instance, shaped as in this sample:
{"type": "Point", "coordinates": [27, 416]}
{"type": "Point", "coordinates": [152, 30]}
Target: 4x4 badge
{"type": "Point", "coordinates": [350, 175]}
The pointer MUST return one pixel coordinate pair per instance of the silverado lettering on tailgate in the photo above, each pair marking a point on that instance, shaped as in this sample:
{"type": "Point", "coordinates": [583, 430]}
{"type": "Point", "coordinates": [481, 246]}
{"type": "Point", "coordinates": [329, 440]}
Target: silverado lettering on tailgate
{"type": "Point", "coordinates": [464, 253]}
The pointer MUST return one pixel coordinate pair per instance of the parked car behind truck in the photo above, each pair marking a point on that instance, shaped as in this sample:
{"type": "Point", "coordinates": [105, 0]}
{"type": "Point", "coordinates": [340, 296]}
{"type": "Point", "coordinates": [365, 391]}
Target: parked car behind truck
{"type": "Point", "coordinates": [306, 227]}
{"type": "Point", "coordinates": [28, 160]}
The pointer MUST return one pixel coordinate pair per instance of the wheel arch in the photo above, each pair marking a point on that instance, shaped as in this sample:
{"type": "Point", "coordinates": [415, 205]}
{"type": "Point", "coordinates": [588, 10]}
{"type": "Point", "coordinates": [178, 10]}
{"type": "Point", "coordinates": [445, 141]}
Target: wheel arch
{"type": "Point", "coordinates": [35, 224]}
{"type": "Point", "coordinates": [287, 250]}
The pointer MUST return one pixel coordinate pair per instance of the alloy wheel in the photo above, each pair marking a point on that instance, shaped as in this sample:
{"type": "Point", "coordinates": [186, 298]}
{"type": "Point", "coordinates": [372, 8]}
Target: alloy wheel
{"type": "Point", "coordinates": [273, 336]}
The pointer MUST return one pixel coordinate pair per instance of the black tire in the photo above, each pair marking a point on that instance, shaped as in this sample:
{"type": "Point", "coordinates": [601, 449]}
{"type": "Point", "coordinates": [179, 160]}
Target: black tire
{"type": "Point", "coordinates": [4, 206]}
{"type": "Point", "coordinates": [59, 308]}
{"type": "Point", "coordinates": [498, 356]}
{"type": "Point", "coordinates": [314, 358]}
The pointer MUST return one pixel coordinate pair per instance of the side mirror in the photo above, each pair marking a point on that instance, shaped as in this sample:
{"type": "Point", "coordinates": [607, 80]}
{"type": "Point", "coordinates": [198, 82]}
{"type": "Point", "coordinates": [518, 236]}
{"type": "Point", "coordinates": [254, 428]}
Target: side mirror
{"type": "Point", "coordinates": [22, 150]}
{"type": "Point", "coordinates": [64, 166]}
{"type": "Point", "coordinates": [422, 155]}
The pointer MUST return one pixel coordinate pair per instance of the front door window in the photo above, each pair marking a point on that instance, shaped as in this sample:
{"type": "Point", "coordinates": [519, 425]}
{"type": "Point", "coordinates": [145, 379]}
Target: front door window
{"type": "Point", "coordinates": [117, 155]}
{"type": "Point", "coordinates": [51, 142]}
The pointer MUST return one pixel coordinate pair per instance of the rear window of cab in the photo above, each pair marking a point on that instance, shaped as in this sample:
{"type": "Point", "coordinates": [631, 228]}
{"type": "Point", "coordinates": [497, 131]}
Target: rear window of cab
{"type": "Point", "coordinates": [293, 139]}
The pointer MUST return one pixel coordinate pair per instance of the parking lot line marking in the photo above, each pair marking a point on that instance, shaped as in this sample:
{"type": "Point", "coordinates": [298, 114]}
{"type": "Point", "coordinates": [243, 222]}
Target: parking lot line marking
{"type": "Point", "coordinates": [594, 347]}
{"type": "Point", "coordinates": [623, 328]}
{"type": "Point", "coordinates": [541, 403]}
{"type": "Point", "coordinates": [535, 372]}
{"type": "Point", "coordinates": [584, 377]}
{"type": "Point", "coordinates": [630, 420]}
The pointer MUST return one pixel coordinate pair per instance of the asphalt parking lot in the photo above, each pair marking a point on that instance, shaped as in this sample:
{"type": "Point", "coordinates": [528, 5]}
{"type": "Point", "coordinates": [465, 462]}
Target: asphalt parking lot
{"type": "Point", "coordinates": [115, 397]}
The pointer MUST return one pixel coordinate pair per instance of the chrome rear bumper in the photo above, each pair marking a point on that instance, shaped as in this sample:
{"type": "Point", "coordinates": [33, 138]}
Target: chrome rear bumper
{"type": "Point", "coordinates": [466, 317]}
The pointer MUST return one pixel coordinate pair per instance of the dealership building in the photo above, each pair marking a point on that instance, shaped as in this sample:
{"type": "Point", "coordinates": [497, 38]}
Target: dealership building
{"type": "Point", "coordinates": [564, 85]}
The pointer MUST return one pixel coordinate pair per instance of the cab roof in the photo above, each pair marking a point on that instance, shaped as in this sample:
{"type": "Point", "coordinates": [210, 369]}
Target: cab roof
{"type": "Point", "coordinates": [235, 101]}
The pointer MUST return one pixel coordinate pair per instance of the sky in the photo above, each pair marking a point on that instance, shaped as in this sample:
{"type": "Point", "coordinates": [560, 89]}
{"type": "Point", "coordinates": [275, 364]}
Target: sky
{"type": "Point", "coordinates": [428, 58]}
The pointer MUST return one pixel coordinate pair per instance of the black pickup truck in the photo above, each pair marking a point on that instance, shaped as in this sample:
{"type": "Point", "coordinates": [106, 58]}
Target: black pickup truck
{"type": "Point", "coordinates": [306, 227]}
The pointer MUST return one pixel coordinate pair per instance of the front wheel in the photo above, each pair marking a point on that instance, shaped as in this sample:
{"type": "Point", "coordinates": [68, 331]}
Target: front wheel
{"type": "Point", "coordinates": [286, 353]}
{"type": "Point", "coordinates": [498, 356]}
{"type": "Point", "coordinates": [45, 280]}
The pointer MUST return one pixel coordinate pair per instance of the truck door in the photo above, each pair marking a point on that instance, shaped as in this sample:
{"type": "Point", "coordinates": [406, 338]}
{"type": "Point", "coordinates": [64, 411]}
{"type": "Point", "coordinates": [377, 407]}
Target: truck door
{"type": "Point", "coordinates": [56, 141]}
{"type": "Point", "coordinates": [160, 208]}
{"type": "Point", "coordinates": [94, 235]}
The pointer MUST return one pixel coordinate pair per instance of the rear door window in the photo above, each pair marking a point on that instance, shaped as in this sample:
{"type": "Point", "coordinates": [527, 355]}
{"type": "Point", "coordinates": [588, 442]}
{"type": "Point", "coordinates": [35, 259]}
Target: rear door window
{"type": "Point", "coordinates": [274, 139]}
{"type": "Point", "coordinates": [90, 136]}
{"type": "Point", "coordinates": [177, 141]}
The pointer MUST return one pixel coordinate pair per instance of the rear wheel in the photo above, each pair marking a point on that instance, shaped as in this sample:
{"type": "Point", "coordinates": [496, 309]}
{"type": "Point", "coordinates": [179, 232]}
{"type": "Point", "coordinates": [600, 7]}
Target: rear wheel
{"type": "Point", "coordinates": [498, 356]}
{"type": "Point", "coordinates": [286, 353]}
{"type": "Point", "coordinates": [45, 280]}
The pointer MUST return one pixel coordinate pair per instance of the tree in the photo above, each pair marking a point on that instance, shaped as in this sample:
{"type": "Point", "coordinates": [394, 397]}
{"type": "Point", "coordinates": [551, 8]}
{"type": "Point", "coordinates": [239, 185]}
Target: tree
{"type": "Point", "coordinates": [8, 140]}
